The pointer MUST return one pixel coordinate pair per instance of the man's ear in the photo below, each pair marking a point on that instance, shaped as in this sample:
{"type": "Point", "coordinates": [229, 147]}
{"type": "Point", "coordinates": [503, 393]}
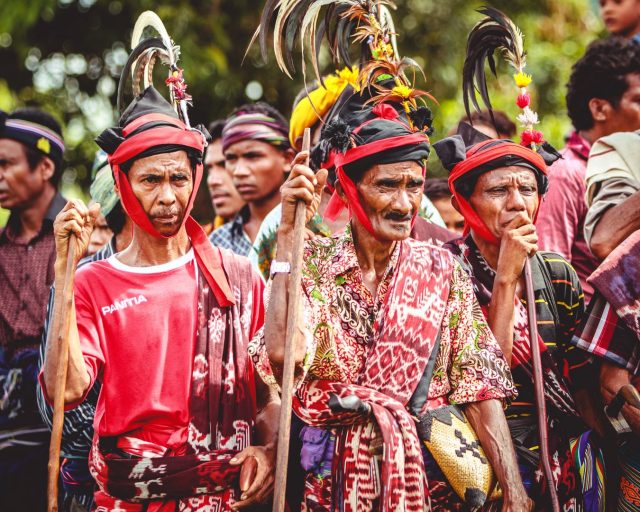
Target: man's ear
{"type": "Point", "coordinates": [340, 191]}
{"type": "Point", "coordinates": [288, 155]}
{"type": "Point", "coordinates": [47, 168]}
{"type": "Point", "coordinates": [455, 204]}
{"type": "Point", "coordinates": [600, 109]}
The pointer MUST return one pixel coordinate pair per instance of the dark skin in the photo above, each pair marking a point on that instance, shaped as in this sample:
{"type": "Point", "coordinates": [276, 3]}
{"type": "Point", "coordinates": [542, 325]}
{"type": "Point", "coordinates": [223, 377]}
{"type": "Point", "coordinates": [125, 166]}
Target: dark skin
{"type": "Point", "coordinates": [258, 170]}
{"type": "Point", "coordinates": [23, 190]}
{"type": "Point", "coordinates": [619, 221]}
{"type": "Point", "coordinates": [390, 195]}
{"type": "Point", "coordinates": [612, 378]}
{"type": "Point", "coordinates": [163, 185]}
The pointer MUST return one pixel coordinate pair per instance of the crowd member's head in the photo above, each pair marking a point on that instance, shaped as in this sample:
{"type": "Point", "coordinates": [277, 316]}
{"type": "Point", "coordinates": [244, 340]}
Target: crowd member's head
{"type": "Point", "coordinates": [493, 181]}
{"type": "Point", "coordinates": [225, 198]}
{"type": "Point", "coordinates": [437, 190]}
{"type": "Point", "coordinates": [31, 149]}
{"type": "Point", "coordinates": [257, 152]}
{"type": "Point", "coordinates": [621, 17]}
{"type": "Point", "coordinates": [603, 93]}
{"type": "Point", "coordinates": [157, 164]}
{"type": "Point", "coordinates": [380, 157]}
{"type": "Point", "coordinates": [500, 127]}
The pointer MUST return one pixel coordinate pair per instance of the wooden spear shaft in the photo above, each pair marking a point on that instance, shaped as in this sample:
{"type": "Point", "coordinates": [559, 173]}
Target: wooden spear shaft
{"type": "Point", "coordinates": [59, 333]}
{"type": "Point", "coordinates": [293, 310]}
{"type": "Point", "coordinates": [538, 384]}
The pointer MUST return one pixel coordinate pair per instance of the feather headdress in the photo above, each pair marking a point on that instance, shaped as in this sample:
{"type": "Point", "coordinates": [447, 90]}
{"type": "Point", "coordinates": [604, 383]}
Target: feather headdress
{"type": "Point", "coordinates": [367, 24]}
{"type": "Point", "coordinates": [144, 55]}
{"type": "Point", "coordinates": [494, 33]}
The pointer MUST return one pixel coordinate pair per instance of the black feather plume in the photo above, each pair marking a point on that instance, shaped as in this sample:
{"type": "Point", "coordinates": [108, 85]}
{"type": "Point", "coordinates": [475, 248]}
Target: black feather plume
{"type": "Point", "coordinates": [338, 135]}
{"type": "Point", "coordinates": [495, 32]}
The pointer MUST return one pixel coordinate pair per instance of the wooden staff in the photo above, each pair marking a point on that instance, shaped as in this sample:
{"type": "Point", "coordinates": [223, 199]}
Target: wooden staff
{"type": "Point", "coordinates": [293, 310]}
{"type": "Point", "coordinates": [538, 384]}
{"type": "Point", "coordinates": [60, 326]}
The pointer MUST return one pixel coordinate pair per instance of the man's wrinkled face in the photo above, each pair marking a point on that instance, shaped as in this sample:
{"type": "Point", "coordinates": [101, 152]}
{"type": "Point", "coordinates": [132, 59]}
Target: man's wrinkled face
{"type": "Point", "coordinates": [626, 115]}
{"type": "Point", "coordinates": [621, 17]}
{"type": "Point", "coordinates": [503, 193]}
{"type": "Point", "coordinates": [391, 195]}
{"type": "Point", "coordinates": [20, 185]}
{"type": "Point", "coordinates": [258, 169]}
{"type": "Point", "coordinates": [224, 196]}
{"type": "Point", "coordinates": [163, 185]}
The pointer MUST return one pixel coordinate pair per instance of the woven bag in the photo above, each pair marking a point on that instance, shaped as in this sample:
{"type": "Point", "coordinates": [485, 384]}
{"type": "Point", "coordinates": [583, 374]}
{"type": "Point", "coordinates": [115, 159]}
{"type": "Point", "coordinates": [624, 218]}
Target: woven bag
{"type": "Point", "coordinates": [455, 447]}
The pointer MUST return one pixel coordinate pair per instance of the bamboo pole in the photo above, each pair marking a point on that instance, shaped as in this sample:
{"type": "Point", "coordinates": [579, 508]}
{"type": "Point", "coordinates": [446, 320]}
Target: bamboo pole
{"type": "Point", "coordinates": [293, 310]}
{"type": "Point", "coordinates": [60, 328]}
{"type": "Point", "coordinates": [539, 387]}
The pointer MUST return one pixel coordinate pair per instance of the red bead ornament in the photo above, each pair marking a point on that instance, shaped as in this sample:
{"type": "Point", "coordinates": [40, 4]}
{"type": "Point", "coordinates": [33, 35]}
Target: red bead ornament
{"type": "Point", "coordinates": [524, 100]}
{"type": "Point", "coordinates": [531, 137]}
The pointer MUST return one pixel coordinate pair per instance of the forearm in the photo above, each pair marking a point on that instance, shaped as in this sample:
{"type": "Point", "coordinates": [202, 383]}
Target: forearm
{"type": "Point", "coordinates": [77, 381]}
{"type": "Point", "coordinates": [501, 314]}
{"type": "Point", "coordinates": [616, 224]}
{"type": "Point", "coordinates": [612, 378]}
{"type": "Point", "coordinates": [488, 420]}
{"type": "Point", "coordinates": [276, 316]}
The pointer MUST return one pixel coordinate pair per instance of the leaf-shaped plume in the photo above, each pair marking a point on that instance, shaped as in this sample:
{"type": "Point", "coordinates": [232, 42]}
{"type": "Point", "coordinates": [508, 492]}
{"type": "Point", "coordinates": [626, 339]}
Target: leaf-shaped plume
{"type": "Point", "coordinates": [495, 32]}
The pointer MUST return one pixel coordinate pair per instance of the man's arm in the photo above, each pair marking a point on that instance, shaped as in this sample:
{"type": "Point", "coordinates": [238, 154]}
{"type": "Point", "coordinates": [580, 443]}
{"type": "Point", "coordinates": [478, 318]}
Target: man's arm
{"type": "Point", "coordinates": [78, 220]}
{"type": "Point", "coordinates": [487, 419]}
{"type": "Point", "coordinates": [615, 225]}
{"type": "Point", "coordinates": [612, 378]}
{"type": "Point", "coordinates": [302, 185]}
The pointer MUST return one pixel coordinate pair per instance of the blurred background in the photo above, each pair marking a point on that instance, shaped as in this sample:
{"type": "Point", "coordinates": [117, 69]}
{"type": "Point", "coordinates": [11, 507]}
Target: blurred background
{"type": "Point", "coordinates": [66, 56]}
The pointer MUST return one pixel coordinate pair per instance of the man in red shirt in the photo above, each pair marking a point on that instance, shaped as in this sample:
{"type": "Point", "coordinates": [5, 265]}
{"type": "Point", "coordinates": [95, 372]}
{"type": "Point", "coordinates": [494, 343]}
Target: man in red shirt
{"type": "Point", "coordinates": [164, 325]}
{"type": "Point", "coordinates": [601, 100]}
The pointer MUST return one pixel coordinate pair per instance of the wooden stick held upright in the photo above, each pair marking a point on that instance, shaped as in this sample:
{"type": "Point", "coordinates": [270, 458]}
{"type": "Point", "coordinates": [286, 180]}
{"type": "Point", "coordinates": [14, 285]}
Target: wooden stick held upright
{"type": "Point", "coordinates": [538, 383]}
{"type": "Point", "coordinates": [58, 333]}
{"type": "Point", "coordinates": [293, 310]}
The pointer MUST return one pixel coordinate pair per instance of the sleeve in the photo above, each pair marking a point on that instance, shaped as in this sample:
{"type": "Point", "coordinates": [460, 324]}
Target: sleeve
{"type": "Point", "coordinates": [569, 301]}
{"type": "Point", "coordinates": [477, 369]}
{"type": "Point", "coordinates": [609, 193]}
{"type": "Point", "coordinates": [257, 305]}
{"type": "Point", "coordinates": [559, 217]}
{"type": "Point", "coordinates": [46, 412]}
{"type": "Point", "coordinates": [89, 334]}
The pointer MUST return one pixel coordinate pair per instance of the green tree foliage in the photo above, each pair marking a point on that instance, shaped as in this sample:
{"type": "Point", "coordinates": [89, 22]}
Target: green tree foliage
{"type": "Point", "coordinates": [67, 55]}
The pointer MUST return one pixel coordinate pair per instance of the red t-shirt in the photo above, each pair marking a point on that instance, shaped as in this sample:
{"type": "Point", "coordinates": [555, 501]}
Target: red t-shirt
{"type": "Point", "coordinates": [137, 328]}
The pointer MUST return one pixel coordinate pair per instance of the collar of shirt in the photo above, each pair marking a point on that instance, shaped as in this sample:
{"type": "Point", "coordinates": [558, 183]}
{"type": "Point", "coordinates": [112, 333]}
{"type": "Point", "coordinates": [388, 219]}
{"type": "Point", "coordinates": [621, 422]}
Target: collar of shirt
{"type": "Point", "coordinates": [238, 222]}
{"type": "Point", "coordinates": [579, 145]}
{"type": "Point", "coordinates": [57, 204]}
{"type": "Point", "coordinates": [346, 258]}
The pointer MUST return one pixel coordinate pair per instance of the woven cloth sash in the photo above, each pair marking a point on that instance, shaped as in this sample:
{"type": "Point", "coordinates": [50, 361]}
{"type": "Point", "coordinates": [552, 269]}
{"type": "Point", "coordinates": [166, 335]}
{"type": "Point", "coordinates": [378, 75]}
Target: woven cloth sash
{"type": "Point", "coordinates": [405, 331]}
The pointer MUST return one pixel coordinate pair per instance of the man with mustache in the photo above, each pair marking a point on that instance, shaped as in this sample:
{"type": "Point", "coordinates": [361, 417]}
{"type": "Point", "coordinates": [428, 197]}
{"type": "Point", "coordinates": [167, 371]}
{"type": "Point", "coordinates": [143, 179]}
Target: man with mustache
{"type": "Point", "coordinates": [164, 325]}
{"type": "Point", "coordinates": [257, 153]}
{"type": "Point", "coordinates": [224, 197]}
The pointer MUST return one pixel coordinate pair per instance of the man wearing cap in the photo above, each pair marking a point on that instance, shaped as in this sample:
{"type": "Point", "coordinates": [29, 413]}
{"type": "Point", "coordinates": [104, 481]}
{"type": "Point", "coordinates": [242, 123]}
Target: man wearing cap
{"type": "Point", "coordinates": [257, 153]}
{"type": "Point", "coordinates": [164, 325]}
{"type": "Point", "coordinates": [31, 149]}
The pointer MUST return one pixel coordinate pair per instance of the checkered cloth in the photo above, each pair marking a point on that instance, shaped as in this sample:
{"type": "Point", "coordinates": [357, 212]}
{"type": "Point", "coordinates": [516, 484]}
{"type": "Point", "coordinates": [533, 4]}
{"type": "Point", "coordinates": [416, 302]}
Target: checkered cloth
{"type": "Point", "coordinates": [232, 235]}
{"type": "Point", "coordinates": [604, 335]}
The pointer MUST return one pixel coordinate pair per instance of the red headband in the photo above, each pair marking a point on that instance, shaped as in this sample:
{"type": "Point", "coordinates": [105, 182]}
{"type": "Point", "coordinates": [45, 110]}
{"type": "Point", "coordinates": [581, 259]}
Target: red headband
{"type": "Point", "coordinates": [352, 155]}
{"type": "Point", "coordinates": [207, 257]}
{"type": "Point", "coordinates": [476, 158]}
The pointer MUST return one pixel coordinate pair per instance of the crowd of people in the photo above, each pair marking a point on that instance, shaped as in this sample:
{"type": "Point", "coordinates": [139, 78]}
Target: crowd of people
{"type": "Point", "coordinates": [416, 384]}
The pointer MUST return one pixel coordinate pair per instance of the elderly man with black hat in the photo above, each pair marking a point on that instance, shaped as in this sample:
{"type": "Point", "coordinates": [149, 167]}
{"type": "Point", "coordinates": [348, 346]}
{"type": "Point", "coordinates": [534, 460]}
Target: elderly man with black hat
{"type": "Point", "coordinates": [391, 344]}
{"type": "Point", "coordinates": [164, 325]}
{"type": "Point", "coordinates": [31, 149]}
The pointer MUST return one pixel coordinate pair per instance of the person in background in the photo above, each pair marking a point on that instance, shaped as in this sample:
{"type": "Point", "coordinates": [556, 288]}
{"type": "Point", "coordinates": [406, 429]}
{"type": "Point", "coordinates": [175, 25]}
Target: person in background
{"type": "Point", "coordinates": [500, 127]}
{"type": "Point", "coordinates": [225, 199]}
{"type": "Point", "coordinates": [437, 190]}
{"type": "Point", "coordinates": [601, 100]}
{"type": "Point", "coordinates": [622, 17]}
{"type": "Point", "coordinates": [100, 235]}
{"type": "Point", "coordinates": [31, 150]}
{"type": "Point", "coordinates": [258, 155]}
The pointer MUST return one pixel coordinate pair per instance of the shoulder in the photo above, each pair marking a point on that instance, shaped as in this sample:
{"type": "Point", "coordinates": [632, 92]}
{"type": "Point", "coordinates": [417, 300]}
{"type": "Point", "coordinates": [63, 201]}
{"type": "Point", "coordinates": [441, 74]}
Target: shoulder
{"type": "Point", "coordinates": [616, 141]}
{"type": "Point", "coordinates": [569, 168]}
{"type": "Point", "coordinates": [238, 268]}
{"type": "Point", "coordinates": [559, 268]}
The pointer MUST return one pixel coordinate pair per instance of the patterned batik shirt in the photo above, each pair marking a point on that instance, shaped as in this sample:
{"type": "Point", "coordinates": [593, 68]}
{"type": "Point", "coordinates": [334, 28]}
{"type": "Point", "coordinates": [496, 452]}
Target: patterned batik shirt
{"type": "Point", "coordinates": [232, 235]}
{"type": "Point", "coordinates": [340, 313]}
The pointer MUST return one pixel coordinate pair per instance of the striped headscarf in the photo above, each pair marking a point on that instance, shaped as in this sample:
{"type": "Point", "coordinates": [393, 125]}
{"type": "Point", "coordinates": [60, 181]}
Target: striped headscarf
{"type": "Point", "coordinates": [255, 126]}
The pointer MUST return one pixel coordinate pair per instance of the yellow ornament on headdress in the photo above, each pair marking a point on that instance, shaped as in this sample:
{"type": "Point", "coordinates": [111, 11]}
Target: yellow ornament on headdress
{"type": "Point", "coordinates": [44, 145]}
{"type": "Point", "coordinates": [522, 79]}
